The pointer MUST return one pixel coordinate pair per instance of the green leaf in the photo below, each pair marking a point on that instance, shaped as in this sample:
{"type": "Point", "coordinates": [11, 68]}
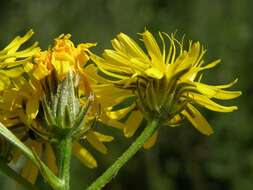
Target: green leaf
{"type": "Point", "coordinates": [54, 181]}
{"type": "Point", "coordinates": [16, 142]}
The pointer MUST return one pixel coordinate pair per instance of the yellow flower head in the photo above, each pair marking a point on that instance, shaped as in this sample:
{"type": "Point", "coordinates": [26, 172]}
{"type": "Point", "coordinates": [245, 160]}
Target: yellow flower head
{"type": "Point", "coordinates": [59, 60]}
{"type": "Point", "coordinates": [165, 82]}
{"type": "Point", "coordinates": [53, 84]}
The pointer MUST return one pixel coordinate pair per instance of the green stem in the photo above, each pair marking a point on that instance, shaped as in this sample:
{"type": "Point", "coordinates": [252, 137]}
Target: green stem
{"type": "Point", "coordinates": [64, 158]}
{"type": "Point", "coordinates": [14, 175]}
{"type": "Point", "coordinates": [129, 153]}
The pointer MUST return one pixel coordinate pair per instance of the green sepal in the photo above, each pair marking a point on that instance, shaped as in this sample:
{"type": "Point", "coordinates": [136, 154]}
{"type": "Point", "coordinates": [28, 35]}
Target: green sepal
{"type": "Point", "coordinates": [81, 118]}
{"type": "Point", "coordinates": [49, 117]}
{"type": "Point", "coordinates": [62, 101]}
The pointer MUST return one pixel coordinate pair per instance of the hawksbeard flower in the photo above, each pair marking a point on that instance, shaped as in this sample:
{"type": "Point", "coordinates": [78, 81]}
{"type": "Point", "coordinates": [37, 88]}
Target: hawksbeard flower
{"type": "Point", "coordinates": [31, 105]}
{"type": "Point", "coordinates": [163, 83]}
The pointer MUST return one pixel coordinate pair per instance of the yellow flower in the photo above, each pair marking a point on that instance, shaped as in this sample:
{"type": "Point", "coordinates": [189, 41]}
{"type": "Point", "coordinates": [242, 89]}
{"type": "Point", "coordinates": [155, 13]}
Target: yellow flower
{"type": "Point", "coordinates": [164, 82]}
{"type": "Point", "coordinates": [13, 62]}
{"type": "Point", "coordinates": [61, 59]}
{"type": "Point", "coordinates": [22, 105]}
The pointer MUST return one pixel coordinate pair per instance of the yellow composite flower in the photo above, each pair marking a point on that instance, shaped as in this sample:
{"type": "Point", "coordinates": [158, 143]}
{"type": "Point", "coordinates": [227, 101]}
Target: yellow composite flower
{"type": "Point", "coordinates": [165, 82]}
{"type": "Point", "coordinates": [21, 103]}
{"type": "Point", "coordinates": [13, 60]}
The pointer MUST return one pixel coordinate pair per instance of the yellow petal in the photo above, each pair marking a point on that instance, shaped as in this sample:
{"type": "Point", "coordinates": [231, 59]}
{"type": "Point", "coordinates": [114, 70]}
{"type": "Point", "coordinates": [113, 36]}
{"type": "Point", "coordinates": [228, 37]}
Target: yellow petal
{"type": "Point", "coordinates": [51, 160]}
{"type": "Point", "coordinates": [226, 85]}
{"type": "Point", "coordinates": [32, 107]}
{"type": "Point", "coordinates": [194, 53]}
{"type": "Point", "coordinates": [175, 121]}
{"type": "Point", "coordinates": [181, 64]}
{"type": "Point", "coordinates": [197, 120]}
{"type": "Point", "coordinates": [84, 156]}
{"type": "Point", "coordinates": [187, 60]}
{"type": "Point", "coordinates": [151, 141]}
{"type": "Point", "coordinates": [109, 99]}
{"type": "Point", "coordinates": [102, 137]}
{"type": "Point", "coordinates": [139, 65]}
{"type": "Point", "coordinates": [40, 72]}
{"type": "Point", "coordinates": [118, 72]}
{"type": "Point", "coordinates": [61, 66]}
{"type": "Point", "coordinates": [94, 141]}
{"type": "Point", "coordinates": [4, 82]}
{"type": "Point", "coordinates": [28, 67]}
{"type": "Point", "coordinates": [118, 60]}
{"type": "Point", "coordinates": [9, 55]}
{"type": "Point", "coordinates": [121, 113]}
{"type": "Point", "coordinates": [30, 172]}
{"type": "Point", "coordinates": [86, 46]}
{"type": "Point", "coordinates": [132, 123]}
{"type": "Point", "coordinates": [211, 65]}
{"type": "Point", "coordinates": [184, 62]}
{"type": "Point", "coordinates": [27, 53]}
{"type": "Point", "coordinates": [130, 46]}
{"type": "Point", "coordinates": [213, 92]}
{"type": "Point", "coordinates": [153, 49]}
{"type": "Point", "coordinates": [13, 72]}
{"type": "Point", "coordinates": [92, 72]}
{"type": "Point", "coordinates": [154, 73]}
{"type": "Point", "coordinates": [114, 123]}
{"type": "Point", "coordinates": [209, 104]}
{"type": "Point", "coordinates": [18, 41]}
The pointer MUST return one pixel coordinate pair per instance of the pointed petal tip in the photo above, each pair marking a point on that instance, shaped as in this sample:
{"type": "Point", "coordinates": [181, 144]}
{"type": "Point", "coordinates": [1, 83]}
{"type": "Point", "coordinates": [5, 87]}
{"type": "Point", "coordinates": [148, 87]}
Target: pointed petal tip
{"type": "Point", "coordinates": [92, 165]}
{"type": "Point", "coordinates": [105, 151]}
{"type": "Point", "coordinates": [127, 134]}
{"type": "Point", "coordinates": [236, 94]}
{"type": "Point", "coordinates": [231, 109]}
{"type": "Point", "coordinates": [154, 73]}
{"type": "Point", "coordinates": [95, 165]}
{"type": "Point", "coordinates": [121, 35]}
{"type": "Point", "coordinates": [31, 30]}
{"type": "Point", "coordinates": [29, 34]}
{"type": "Point", "coordinates": [235, 108]}
{"type": "Point", "coordinates": [209, 133]}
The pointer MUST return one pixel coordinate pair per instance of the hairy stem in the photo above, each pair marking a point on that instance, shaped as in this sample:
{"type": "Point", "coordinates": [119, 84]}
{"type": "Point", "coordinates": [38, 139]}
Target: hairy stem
{"type": "Point", "coordinates": [63, 159]}
{"type": "Point", "coordinates": [129, 153]}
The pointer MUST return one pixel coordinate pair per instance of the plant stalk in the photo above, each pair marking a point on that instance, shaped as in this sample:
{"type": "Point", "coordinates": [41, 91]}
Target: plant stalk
{"type": "Point", "coordinates": [63, 159]}
{"type": "Point", "coordinates": [128, 154]}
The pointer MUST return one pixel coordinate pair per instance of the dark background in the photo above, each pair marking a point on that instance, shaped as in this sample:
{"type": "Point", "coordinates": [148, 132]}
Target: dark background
{"type": "Point", "coordinates": [182, 158]}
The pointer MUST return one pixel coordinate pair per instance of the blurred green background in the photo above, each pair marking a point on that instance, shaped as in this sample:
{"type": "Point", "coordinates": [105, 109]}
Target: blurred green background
{"type": "Point", "coordinates": [182, 158]}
